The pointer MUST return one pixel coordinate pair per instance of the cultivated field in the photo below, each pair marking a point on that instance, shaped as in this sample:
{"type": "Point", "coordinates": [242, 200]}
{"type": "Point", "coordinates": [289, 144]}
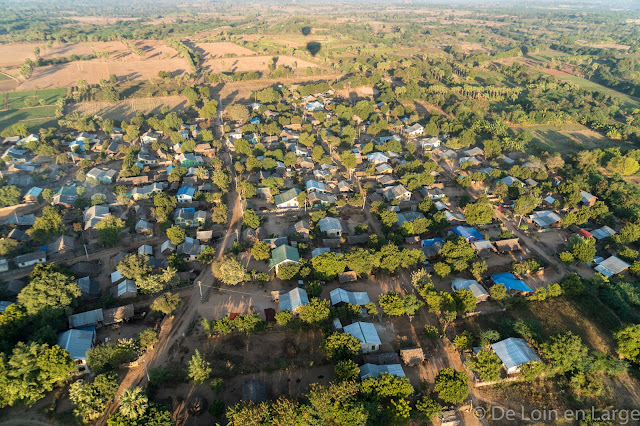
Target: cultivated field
{"type": "Point", "coordinates": [254, 63]}
{"type": "Point", "coordinates": [127, 109]}
{"type": "Point", "coordinates": [67, 75]}
{"type": "Point", "coordinates": [222, 49]}
{"type": "Point", "coordinates": [567, 138]}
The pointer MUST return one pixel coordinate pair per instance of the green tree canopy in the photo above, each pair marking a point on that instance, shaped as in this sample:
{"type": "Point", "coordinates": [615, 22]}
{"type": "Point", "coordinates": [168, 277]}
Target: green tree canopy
{"type": "Point", "coordinates": [53, 291]}
{"type": "Point", "coordinates": [451, 385]}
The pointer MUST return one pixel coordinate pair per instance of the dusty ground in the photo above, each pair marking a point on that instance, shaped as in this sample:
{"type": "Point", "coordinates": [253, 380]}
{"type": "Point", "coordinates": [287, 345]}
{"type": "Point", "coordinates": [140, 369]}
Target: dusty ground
{"type": "Point", "coordinates": [253, 63]}
{"type": "Point", "coordinates": [220, 49]}
{"type": "Point", "coordinates": [127, 109]}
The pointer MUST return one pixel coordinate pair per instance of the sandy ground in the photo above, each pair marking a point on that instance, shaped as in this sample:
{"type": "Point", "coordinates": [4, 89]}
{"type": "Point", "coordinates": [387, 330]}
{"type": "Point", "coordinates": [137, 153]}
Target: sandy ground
{"type": "Point", "coordinates": [220, 49]}
{"type": "Point", "coordinates": [253, 63]}
{"type": "Point", "coordinates": [126, 109]}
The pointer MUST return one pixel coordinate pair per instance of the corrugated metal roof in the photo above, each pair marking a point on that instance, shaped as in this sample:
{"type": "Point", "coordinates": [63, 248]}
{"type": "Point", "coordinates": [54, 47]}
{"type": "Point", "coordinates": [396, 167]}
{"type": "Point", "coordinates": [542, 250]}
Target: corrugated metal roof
{"type": "Point", "coordinates": [612, 266]}
{"type": "Point", "coordinates": [294, 299]}
{"type": "Point", "coordinates": [284, 253]}
{"type": "Point", "coordinates": [340, 295]}
{"type": "Point", "coordinates": [510, 282]}
{"type": "Point", "coordinates": [514, 352]}
{"type": "Point", "coordinates": [373, 370]}
{"type": "Point", "coordinates": [364, 331]}
{"type": "Point", "coordinates": [85, 318]}
{"type": "Point", "coordinates": [602, 233]}
{"type": "Point", "coordinates": [476, 289]}
{"type": "Point", "coordinates": [77, 341]}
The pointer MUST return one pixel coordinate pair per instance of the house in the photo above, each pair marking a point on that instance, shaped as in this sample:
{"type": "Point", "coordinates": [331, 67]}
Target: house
{"type": "Point", "coordinates": [319, 250]}
{"type": "Point", "coordinates": [347, 277]}
{"type": "Point", "coordinates": [24, 221]}
{"type": "Point", "coordinates": [18, 235]}
{"type": "Point", "coordinates": [377, 158]}
{"type": "Point", "coordinates": [514, 352]}
{"type": "Point", "coordinates": [145, 249]}
{"type": "Point", "coordinates": [612, 266]}
{"type": "Point", "coordinates": [4, 265]}
{"type": "Point", "coordinates": [125, 289]}
{"type": "Point", "coordinates": [185, 194]}
{"type": "Point", "coordinates": [472, 152]}
{"type": "Point", "coordinates": [62, 245]}
{"type": "Point", "coordinates": [167, 246]}
{"type": "Point", "coordinates": [314, 106]}
{"type": "Point", "coordinates": [32, 195]}
{"type": "Point", "coordinates": [484, 248]}
{"type": "Point", "coordinates": [373, 370]}
{"type": "Point", "coordinates": [65, 196]}
{"type": "Point", "coordinates": [144, 227]}
{"type": "Point", "coordinates": [146, 158]}
{"type": "Point", "coordinates": [94, 214]}
{"type": "Point", "coordinates": [331, 226]}
{"type": "Point", "coordinates": [430, 143]}
{"type": "Point", "coordinates": [343, 186]}
{"type": "Point", "coordinates": [414, 130]}
{"type": "Point", "coordinates": [30, 259]}
{"type": "Point", "coordinates": [431, 247]}
{"type": "Point", "coordinates": [116, 277]}
{"type": "Point", "coordinates": [315, 186]}
{"type": "Point", "coordinates": [191, 248]}
{"type": "Point", "coordinates": [85, 319]}
{"type": "Point", "coordinates": [478, 291]}
{"type": "Point", "coordinates": [204, 236]}
{"type": "Point", "coordinates": [510, 180]}
{"type": "Point", "coordinates": [292, 300]}
{"type": "Point", "coordinates": [283, 254]}
{"type": "Point", "coordinates": [90, 289]}
{"type": "Point", "coordinates": [189, 160]}
{"type": "Point", "coordinates": [78, 342]}
{"type": "Point", "coordinates": [384, 168]}
{"type": "Point", "coordinates": [587, 199]}
{"type": "Point", "coordinates": [254, 391]}
{"type": "Point", "coordinates": [301, 229]}
{"type": "Point", "coordinates": [545, 218]}
{"type": "Point", "coordinates": [408, 217]}
{"type": "Point", "coordinates": [511, 283]}
{"type": "Point", "coordinates": [102, 175]}
{"type": "Point", "coordinates": [341, 296]}
{"type": "Point", "coordinates": [146, 191]}
{"type": "Point", "coordinates": [412, 356]}
{"type": "Point", "coordinates": [398, 192]}
{"type": "Point", "coordinates": [189, 217]}
{"type": "Point", "coordinates": [117, 315]}
{"type": "Point", "coordinates": [366, 333]}
{"type": "Point", "coordinates": [469, 233]}
{"type": "Point", "coordinates": [287, 199]}
{"type": "Point", "coordinates": [602, 233]}
{"type": "Point", "coordinates": [316, 199]}
{"type": "Point", "coordinates": [4, 304]}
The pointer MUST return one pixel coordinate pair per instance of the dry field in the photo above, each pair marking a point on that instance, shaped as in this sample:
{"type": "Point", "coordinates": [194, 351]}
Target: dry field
{"type": "Point", "coordinates": [254, 63]}
{"type": "Point", "coordinates": [127, 109]}
{"type": "Point", "coordinates": [99, 20]}
{"type": "Point", "coordinates": [220, 49]}
{"type": "Point", "coordinates": [66, 75]}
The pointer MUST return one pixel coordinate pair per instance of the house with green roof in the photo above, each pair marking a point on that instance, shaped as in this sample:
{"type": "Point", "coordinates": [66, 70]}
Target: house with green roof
{"type": "Point", "coordinates": [283, 254]}
{"type": "Point", "coordinates": [287, 199]}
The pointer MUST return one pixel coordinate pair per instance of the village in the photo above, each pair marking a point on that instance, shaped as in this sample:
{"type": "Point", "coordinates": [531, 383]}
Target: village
{"type": "Point", "coordinates": [273, 207]}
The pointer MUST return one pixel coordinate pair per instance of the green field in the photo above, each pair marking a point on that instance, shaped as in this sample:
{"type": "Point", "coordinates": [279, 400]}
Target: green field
{"type": "Point", "coordinates": [16, 100]}
{"type": "Point", "coordinates": [628, 101]}
{"type": "Point", "coordinates": [32, 117]}
{"type": "Point", "coordinates": [3, 77]}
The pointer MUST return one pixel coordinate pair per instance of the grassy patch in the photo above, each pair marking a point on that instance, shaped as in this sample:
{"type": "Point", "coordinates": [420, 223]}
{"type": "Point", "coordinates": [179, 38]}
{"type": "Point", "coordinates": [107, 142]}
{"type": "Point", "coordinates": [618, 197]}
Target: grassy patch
{"type": "Point", "coordinates": [16, 100]}
{"type": "Point", "coordinates": [33, 117]}
{"type": "Point", "coordinates": [627, 101]}
{"type": "Point", "coordinates": [3, 77]}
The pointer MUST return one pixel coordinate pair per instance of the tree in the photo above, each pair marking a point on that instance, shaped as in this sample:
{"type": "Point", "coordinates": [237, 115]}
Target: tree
{"type": "Point", "coordinates": [451, 385]}
{"type": "Point", "coordinates": [166, 304]}
{"type": "Point", "coordinates": [109, 229]}
{"type": "Point", "coordinates": [229, 270]}
{"type": "Point", "coordinates": [387, 386]}
{"type": "Point", "coordinates": [48, 225]}
{"type": "Point", "coordinates": [458, 253]}
{"type": "Point", "coordinates": [8, 246]}
{"type": "Point", "coordinates": [207, 255]}
{"type": "Point", "coordinates": [429, 408]}
{"type": "Point", "coordinates": [199, 368]}
{"type": "Point", "coordinates": [572, 285]}
{"type": "Point", "coordinates": [9, 195]}
{"type": "Point", "coordinates": [134, 266]}
{"type": "Point", "coordinates": [250, 219]}
{"type": "Point", "coordinates": [531, 370]}
{"type": "Point", "coordinates": [623, 165]}
{"type": "Point", "coordinates": [392, 303]}
{"type": "Point", "coordinates": [465, 300]}
{"type": "Point", "coordinates": [583, 249]}
{"type": "Point", "coordinates": [628, 339]}
{"type": "Point", "coordinates": [340, 346]}
{"type": "Point", "coordinates": [487, 364]}
{"type": "Point", "coordinates": [361, 261]}
{"type": "Point", "coordinates": [49, 291]}
{"type": "Point", "coordinates": [31, 371]}
{"type": "Point", "coordinates": [346, 371]}
{"type": "Point", "coordinates": [261, 250]}
{"type": "Point", "coordinates": [237, 112]}
{"type": "Point", "coordinates": [133, 403]}
{"type": "Point", "coordinates": [209, 109]}
{"type": "Point", "coordinates": [176, 234]}
{"type": "Point", "coordinates": [526, 204]}
{"type": "Point", "coordinates": [109, 356]}
{"type": "Point", "coordinates": [284, 317]}
{"type": "Point", "coordinates": [498, 291]}
{"type": "Point", "coordinates": [156, 414]}
{"type": "Point", "coordinates": [630, 233]}
{"type": "Point", "coordinates": [328, 265]}
{"type": "Point", "coordinates": [91, 398]}
{"type": "Point", "coordinates": [219, 213]}
{"type": "Point", "coordinates": [565, 352]}
{"type": "Point", "coordinates": [412, 304]}
{"type": "Point", "coordinates": [288, 271]}
{"type": "Point", "coordinates": [147, 338]}
{"type": "Point", "coordinates": [441, 269]}
{"type": "Point", "coordinates": [478, 268]}
{"type": "Point", "coordinates": [478, 214]}
{"type": "Point", "coordinates": [315, 312]}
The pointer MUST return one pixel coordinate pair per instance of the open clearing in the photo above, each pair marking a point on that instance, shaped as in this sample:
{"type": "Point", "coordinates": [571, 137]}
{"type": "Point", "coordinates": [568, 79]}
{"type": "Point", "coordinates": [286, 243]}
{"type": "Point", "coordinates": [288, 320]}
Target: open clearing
{"type": "Point", "coordinates": [254, 63]}
{"type": "Point", "coordinates": [629, 101]}
{"type": "Point", "coordinates": [127, 109]}
{"type": "Point", "coordinates": [67, 75]}
{"type": "Point", "coordinates": [222, 49]}
{"type": "Point", "coordinates": [567, 138]}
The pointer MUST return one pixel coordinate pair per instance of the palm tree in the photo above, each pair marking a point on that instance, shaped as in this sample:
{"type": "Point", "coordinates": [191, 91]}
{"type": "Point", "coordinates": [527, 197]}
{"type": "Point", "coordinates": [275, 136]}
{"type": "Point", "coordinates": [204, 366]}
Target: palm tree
{"type": "Point", "coordinates": [133, 403]}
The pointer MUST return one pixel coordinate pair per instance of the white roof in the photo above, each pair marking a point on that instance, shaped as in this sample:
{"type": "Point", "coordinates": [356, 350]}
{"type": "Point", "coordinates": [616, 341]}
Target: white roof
{"type": "Point", "coordinates": [612, 266]}
{"type": "Point", "coordinates": [477, 290]}
{"type": "Point", "coordinates": [363, 331]}
{"type": "Point", "coordinates": [354, 297]}
{"type": "Point", "coordinates": [329, 224]}
{"type": "Point", "coordinates": [545, 218]}
{"type": "Point", "coordinates": [514, 352]}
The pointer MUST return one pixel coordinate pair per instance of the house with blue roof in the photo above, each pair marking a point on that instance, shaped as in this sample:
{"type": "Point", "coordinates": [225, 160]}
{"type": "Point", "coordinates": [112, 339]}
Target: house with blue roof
{"type": "Point", "coordinates": [315, 186]}
{"type": "Point", "coordinates": [469, 233]}
{"type": "Point", "coordinates": [255, 120]}
{"type": "Point", "coordinates": [185, 194]}
{"type": "Point", "coordinates": [314, 106]}
{"type": "Point", "coordinates": [292, 300]}
{"type": "Point", "coordinates": [512, 284]}
{"type": "Point", "coordinates": [77, 342]}
{"type": "Point", "coordinates": [32, 195]}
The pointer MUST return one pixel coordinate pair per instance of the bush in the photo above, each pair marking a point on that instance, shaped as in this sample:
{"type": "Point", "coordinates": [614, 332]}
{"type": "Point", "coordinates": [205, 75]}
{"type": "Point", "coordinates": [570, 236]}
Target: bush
{"type": "Point", "coordinates": [166, 304]}
{"type": "Point", "coordinates": [216, 408]}
{"type": "Point", "coordinates": [284, 317]}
